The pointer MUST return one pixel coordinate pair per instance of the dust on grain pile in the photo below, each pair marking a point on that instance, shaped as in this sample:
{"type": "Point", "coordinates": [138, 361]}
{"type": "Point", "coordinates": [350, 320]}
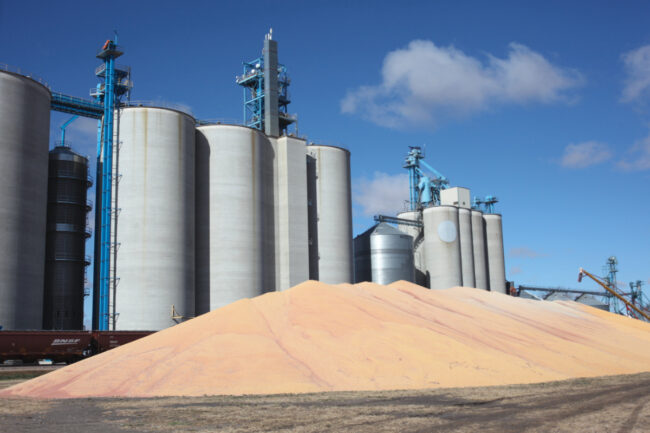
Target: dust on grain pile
{"type": "Point", "coordinates": [318, 337]}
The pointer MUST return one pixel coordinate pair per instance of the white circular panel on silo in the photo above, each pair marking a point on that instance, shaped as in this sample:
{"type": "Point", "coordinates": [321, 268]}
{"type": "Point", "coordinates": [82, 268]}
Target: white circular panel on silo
{"type": "Point", "coordinates": [155, 232]}
{"type": "Point", "coordinates": [235, 226]}
{"type": "Point", "coordinates": [466, 246]}
{"type": "Point", "coordinates": [447, 231]}
{"type": "Point", "coordinates": [480, 253]}
{"type": "Point", "coordinates": [24, 135]}
{"type": "Point", "coordinates": [333, 213]}
{"type": "Point", "coordinates": [417, 233]}
{"type": "Point", "coordinates": [495, 256]}
{"type": "Point", "coordinates": [443, 262]}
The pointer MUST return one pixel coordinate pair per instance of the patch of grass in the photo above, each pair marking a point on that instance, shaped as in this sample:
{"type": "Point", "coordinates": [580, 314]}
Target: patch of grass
{"type": "Point", "coordinates": [16, 375]}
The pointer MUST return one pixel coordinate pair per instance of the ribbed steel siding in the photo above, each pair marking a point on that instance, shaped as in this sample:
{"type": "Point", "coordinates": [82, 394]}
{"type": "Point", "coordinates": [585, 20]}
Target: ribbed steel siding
{"type": "Point", "coordinates": [466, 246]}
{"type": "Point", "coordinates": [480, 253]}
{"type": "Point", "coordinates": [419, 257]}
{"type": "Point", "coordinates": [362, 265]}
{"type": "Point", "coordinates": [496, 261]}
{"type": "Point", "coordinates": [65, 252]}
{"type": "Point", "coordinates": [331, 242]}
{"type": "Point", "coordinates": [391, 255]}
{"type": "Point", "coordinates": [442, 244]}
{"type": "Point", "coordinates": [155, 259]}
{"type": "Point", "coordinates": [24, 127]}
{"type": "Point", "coordinates": [235, 259]}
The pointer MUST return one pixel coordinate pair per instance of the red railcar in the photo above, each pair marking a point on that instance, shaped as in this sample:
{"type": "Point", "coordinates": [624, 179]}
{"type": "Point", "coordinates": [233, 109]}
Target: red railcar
{"type": "Point", "coordinates": [107, 340]}
{"type": "Point", "coordinates": [61, 346]}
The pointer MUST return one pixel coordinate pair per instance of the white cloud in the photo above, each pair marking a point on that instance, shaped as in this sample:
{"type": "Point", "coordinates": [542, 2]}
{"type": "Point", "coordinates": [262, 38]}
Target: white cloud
{"type": "Point", "coordinates": [638, 158]}
{"type": "Point", "coordinates": [423, 82]}
{"type": "Point", "coordinates": [637, 68]}
{"type": "Point", "coordinates": [585, 154]}
{"type": "Point", "coordinates": [525, 253]}
{"type": "Point", "coordinates": [383, 194]}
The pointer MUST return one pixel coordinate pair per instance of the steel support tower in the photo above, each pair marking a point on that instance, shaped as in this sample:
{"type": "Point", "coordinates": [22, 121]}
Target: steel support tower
{"type": "Point", "coordinates": [266, 91]}
{"type": "Point", "coordinates": [424, 190]}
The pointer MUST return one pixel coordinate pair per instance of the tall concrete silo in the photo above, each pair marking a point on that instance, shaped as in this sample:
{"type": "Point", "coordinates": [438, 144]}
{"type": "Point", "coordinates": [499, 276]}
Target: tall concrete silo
{"type": "Point", "coordinates": [417, 233]}
{"type": "Point", "coordinates": [495, 256]}
{"type": "Point", "coordinates": [391, 255]}
{"type": "Point", "coordinates": [24, 126]}
{"type": "Point", "coordinates": [235, 215]}
{"type": "Point", "coordinates": [442, 244]}
{"type": "Point", "coordinates": [330, 235]}
{"type": "Point", "coordinates": [65, 247]}
{"type": "Point", "coordinates": [155, 229]}
{"type": "Point", "coordinates": [291, 217]}
{"type": "Point", "coordinates": [479, 250]}
{"type": "Point", "coordinates": [466, 246]}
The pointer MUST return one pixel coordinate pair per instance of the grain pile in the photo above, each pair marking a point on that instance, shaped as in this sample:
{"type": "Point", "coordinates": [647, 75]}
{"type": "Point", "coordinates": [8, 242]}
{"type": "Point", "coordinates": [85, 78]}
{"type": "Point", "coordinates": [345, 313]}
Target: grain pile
{"type": "Point", "coordinates": [317, 337]}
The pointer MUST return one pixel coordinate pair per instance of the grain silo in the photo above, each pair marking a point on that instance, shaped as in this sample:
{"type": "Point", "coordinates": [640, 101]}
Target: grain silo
{"type": "Point", "coordinates": [391, 255]}
{"type": "Point", "coordinates": [383, 255]}
{"type": "Point", "coordinates": [155, 227]}
{"type": "Point", "coordinates": [235, 215]}
{"type": "Point", "coordinates": [466, 246]}
{"type": "Point", "coordinates": [330, 235]}
{"type": "Point", "coordinates": [291, 235]}
{"type": "Point", "coordinates": [25, 123]}
{"type": "Point", "coordinates": [65, 257]}
{"type": "Point", "coordinates": [495, 256]}
{"type": "Point", "coordinates": [442, 244]}
{"type": "Point", "coordinates": [592, 301]}
{"type": "Point", "coordinates": [361, 250]}
{"type": "Point", "coordinates": [479, 250]}
{"type": "Point", "coordinates": [417, 233]}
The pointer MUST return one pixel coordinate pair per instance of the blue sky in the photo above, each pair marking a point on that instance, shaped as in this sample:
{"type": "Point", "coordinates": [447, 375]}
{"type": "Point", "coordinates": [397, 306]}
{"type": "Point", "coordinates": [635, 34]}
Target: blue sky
{"type": "Point", "coordinates": [543, 104]}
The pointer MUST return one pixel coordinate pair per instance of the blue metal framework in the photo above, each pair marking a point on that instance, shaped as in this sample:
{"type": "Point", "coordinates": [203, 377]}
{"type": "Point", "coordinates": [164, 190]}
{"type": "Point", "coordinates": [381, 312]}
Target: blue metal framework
{"type": "Point", "coordinates": [488, 203]}
{"type": "Point", "coordinates": [424, 190]}
{"type": "Point", "coordinates": [115, 84]}
{"type": "Point", "coordinates": [78, 106]}
{"type": "Point", "coordinates": [400, 221]}
{"type": "Point", "coordinates": [65, 125]}
{"type": "Point", "coordinates": [252, 80]}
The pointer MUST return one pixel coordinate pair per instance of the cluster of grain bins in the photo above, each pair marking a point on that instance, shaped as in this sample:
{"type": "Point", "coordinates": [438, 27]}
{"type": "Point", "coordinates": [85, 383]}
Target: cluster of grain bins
{"type": "Point", "coordinates": [43, 231]}
{"type": "Point", "coordinates": [216, 213]}
{"type": "Point", "coordinates": [449, 245]}
{"type": "Point", "coordinates": [204, 215]}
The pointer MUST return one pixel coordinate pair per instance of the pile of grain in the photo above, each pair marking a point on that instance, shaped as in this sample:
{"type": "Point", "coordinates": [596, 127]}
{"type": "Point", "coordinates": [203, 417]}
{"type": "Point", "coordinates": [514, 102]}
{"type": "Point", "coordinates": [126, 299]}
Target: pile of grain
{"type": "Point", "coordinates": [318, 337]}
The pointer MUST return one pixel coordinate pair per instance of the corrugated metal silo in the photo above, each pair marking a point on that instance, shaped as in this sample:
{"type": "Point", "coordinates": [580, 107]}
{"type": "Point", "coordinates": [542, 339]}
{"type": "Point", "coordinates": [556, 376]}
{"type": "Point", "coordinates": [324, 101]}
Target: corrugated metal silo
{"type": "Point", "coordinates": [557, 296]}
{"type": "Point", "coordinates": [155, 230]}
{"type": "Point", "coordinates": [330, 236]}
{"type": "Point", "coordinates": [24, 126]}
{"type": "Point", "coordinates": [495, 256]}
{"type": "Point", "coordinates": [442, 244]}
{"type": "Point", "coordinates": [466, 246]}
{"type": "Point", "coordinates": [591, 301]}
{"type": "Point", "coordinates": [391, 255]}
{"type": "Point", "coordinates": [417, 233]}
{"type": "Point", "coordinates": [234, 215]}
{"type": "Point", "coordinates": [362, 266]}
{"type": "Point", "coordinates": [480, 252]}
{"type": "Point", "coordinates": [65, 248]}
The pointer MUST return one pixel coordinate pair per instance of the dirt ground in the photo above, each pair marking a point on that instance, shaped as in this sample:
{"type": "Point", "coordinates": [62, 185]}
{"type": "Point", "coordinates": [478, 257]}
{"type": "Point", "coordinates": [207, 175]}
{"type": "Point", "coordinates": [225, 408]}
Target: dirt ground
{"type": "Point", "coordinates": [614, 404]}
